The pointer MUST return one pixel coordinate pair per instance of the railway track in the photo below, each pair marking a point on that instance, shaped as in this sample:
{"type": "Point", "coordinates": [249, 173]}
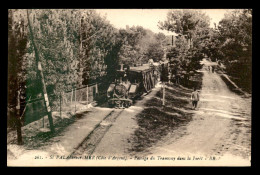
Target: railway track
{"type": "Point", "coordinates": [88, 145]}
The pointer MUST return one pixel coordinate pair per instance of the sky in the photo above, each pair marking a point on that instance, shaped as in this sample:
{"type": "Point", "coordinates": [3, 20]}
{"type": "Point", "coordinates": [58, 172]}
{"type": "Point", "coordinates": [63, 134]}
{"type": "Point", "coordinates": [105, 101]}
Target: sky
{"type": "Point", "coordinates": [148, 18]}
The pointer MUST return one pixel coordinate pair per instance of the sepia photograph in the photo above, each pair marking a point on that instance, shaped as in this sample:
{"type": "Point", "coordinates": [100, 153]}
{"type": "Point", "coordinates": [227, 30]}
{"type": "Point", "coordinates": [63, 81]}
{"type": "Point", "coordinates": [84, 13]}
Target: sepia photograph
{"type": "Point", "coordinates": [129, 87]}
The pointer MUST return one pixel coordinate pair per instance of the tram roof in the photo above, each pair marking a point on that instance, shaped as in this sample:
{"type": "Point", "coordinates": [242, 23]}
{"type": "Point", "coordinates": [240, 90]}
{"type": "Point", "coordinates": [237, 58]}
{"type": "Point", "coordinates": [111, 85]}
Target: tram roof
{"type": "Point", "coordinates": [143, 68]}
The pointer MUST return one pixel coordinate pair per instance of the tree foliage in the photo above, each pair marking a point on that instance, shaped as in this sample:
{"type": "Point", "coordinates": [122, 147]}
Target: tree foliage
{"type": "Point", "coordinates": [192, 27]}
{"type": "Point", "coordinates": [189, 23]}
{"type": "Point", "coordinates": [17, 44]}
{"type": "Point", "coordinates": [231, 43]}
{"type": "Point", "coordinates": [98, 39]}
{"type": "Point", "coordinates": [76, 47]}
{"type": "Point", "coordinates": [140, 45]}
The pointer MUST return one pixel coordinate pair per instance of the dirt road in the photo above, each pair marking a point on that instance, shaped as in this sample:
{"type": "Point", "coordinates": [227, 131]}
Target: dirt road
{"type": "Point", "coordinates": [220, 129]}
{"type": "Point", "coordinates": [221, 125]}
{"type": "Point", "coordinates": [117, 140]}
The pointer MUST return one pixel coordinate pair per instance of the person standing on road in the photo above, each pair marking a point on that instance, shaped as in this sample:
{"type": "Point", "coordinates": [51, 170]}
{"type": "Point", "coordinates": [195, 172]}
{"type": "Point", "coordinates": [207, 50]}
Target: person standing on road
{"type": "Point", "coordinates": [195, 98]}
{"type": "Point", "coordinates": [213, 68]}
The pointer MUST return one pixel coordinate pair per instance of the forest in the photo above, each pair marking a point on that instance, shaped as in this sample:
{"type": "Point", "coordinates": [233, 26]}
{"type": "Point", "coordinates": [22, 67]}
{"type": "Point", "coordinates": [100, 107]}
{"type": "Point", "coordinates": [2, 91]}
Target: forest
{"type": "Point", "coordinates": [230, 43]}
{"type": "Point", "coordinates": [78, 47]}
{"type": "Point", "coordinates": [75, 47]}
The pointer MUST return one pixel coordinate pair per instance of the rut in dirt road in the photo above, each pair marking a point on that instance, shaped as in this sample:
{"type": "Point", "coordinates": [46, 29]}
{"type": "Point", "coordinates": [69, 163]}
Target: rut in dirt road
{"type": "Point", "coordinates": [87, 147]}
{"type": "Point", "coordinates": [221, 124]}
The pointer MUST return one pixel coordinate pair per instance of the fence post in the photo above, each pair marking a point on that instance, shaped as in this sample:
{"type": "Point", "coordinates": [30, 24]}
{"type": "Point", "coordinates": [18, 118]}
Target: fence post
{"type": "Point", "coordinates": [18, 120]}
{"type": "Point", "coordinates": [60, 104]}
{"type": "Point", "coordinates": [87, 94]}
{"type": "Point", "coordinates": [71, 97]}
{"type": "Point", "coordinates": [43, 122]}
{"type": "Point", "coordinates": [63, 98]}
{"type": "Point", "coordinates": [96, 89]}
{"type": "Point", "coordinates": [75, 100]}
{"type": "Point", "coordinates": [163, 93]}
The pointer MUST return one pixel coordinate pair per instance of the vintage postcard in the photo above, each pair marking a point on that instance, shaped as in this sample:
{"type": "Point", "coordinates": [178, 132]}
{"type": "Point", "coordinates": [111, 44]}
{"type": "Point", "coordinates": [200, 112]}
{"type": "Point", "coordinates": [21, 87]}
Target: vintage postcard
{"type": "Point", "coordinates": [129, 87]}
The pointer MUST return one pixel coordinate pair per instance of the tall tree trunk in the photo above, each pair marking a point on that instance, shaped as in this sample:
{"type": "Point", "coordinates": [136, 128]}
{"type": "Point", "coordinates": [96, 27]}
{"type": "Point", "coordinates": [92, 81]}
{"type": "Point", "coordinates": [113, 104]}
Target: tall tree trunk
{"type": "Point", "coordinates": [18, 120]}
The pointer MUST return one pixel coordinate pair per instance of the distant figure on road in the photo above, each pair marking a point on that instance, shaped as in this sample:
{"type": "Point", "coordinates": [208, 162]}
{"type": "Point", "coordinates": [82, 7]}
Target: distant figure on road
{"type": "Point", "coordinates": [195, 98]}
{"type": "Point", "coordinates": [209, 68]}
{"type": "Point", "coordinates": [213, 68]}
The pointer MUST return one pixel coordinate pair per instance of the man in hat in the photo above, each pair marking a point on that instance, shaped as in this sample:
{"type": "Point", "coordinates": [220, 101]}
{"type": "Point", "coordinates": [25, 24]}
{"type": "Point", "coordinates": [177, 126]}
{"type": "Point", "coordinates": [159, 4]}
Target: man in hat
{"type": "Point", "coordinates": [195, 98]}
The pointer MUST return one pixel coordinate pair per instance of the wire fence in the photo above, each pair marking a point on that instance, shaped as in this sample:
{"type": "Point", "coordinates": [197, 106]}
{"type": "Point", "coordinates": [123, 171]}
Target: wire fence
{"type": "Point", "coordinates": [63, 104]}
{"type": "Point", "coordinates": [76, 99]}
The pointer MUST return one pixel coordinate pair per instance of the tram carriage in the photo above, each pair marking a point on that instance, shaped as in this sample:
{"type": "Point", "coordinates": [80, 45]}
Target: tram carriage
{"type": "Point", "coordinates": [131, 82]}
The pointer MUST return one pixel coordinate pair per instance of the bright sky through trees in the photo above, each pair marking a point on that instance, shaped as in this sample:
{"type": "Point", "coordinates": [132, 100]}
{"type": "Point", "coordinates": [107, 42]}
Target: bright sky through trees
{"type": "Point", "coordinates": [148, 18]}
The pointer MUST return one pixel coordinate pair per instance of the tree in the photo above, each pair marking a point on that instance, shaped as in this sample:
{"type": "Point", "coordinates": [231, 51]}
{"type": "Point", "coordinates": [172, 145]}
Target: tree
{"type": "Point", "coordinates": [74, 46]}
{"type": "Point", "coordinates": [155, 51]}
{"type": "Point", "coordinates": [189, 23]}
{"type": "Point", "coordinates": [98, 38]}
{"type": "Point", "coordinates": [131, 51]}
{"type": "Point", "coordinates": [139, 45]}
{"type": "Point", "coordinates": [56, 38]}
{"type": "Point", "coordinates": [17, 43]}
{"type": "Point", "coordinates": [192, 27]}
{"type": "Point", "coordinates": [231, 42]}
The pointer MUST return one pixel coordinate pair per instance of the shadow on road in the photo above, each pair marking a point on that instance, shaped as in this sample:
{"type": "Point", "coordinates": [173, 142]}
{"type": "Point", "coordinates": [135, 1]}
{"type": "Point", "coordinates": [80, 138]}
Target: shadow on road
{"type": "Point", "coordinates": [156, 121]}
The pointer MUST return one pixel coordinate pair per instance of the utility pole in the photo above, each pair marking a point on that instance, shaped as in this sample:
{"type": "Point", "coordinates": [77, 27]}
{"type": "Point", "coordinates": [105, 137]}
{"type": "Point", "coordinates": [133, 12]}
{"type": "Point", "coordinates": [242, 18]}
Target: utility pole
{"type": "Point", "coordinates": [164, 78]}
{"type": "Point", "coordinates": [39, 72]}
{"type": "Point", "coordinates": [46, 100]}
{"type": "Point", "coordinates": [18, 120]}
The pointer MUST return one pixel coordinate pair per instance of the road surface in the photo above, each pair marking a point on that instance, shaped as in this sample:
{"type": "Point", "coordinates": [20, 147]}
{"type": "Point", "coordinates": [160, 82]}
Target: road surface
{"type": "Point", "coordinates": [220, 127]}
{"type": "Point", "coordinates": [219, 132]}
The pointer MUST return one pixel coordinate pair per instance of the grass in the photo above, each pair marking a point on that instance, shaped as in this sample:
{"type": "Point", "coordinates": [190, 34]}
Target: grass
{"type": "Point", "coordinates": [44, 138]}
{"type": "Point", "coordinates": [156, 121]}
{"type": "Point", "coordinates": [231, 86]}
{"type": "Point", "coordinates": [244, 85]}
